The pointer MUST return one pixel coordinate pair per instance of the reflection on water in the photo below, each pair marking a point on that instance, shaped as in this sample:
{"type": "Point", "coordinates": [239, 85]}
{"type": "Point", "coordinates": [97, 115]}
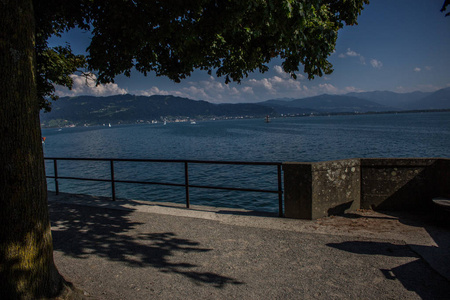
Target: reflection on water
{"type": "Point", "coordinates": [288, 139]}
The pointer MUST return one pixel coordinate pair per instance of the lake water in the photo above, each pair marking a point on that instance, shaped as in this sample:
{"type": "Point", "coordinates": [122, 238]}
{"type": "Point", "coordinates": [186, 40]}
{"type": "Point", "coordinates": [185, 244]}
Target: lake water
{"type": "Point", "coordinates": [304, 139]}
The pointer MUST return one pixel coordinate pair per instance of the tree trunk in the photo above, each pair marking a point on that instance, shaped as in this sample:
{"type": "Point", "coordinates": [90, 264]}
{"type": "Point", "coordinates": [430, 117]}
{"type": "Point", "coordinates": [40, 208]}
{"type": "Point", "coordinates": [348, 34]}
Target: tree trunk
{"type": "Point", "coordinates": [27, 270]}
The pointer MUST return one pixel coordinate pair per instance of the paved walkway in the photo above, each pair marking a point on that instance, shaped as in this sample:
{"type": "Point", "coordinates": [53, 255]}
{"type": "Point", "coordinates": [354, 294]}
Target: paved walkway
{"type": "Point", "coordinates": [140, 250]}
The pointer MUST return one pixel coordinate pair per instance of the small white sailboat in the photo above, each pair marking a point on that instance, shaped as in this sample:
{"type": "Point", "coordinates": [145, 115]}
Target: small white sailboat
{"type": "Point", "coordinates": [109, 125]}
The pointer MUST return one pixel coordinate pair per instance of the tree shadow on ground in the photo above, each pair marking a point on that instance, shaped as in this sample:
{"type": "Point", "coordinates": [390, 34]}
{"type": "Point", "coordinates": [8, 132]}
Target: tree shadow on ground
{"type": "Point", "coordinates": [415, 276]}
{"type": "Point", "coordinates": [80, 231]}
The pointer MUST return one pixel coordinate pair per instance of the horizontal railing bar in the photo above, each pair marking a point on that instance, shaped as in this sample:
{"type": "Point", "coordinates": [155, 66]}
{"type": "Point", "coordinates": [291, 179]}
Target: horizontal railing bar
{"type": "Point", "coordinates": [150, 182]}
{"type": "Point", "coordinates": [233, 189]}
{"type": "Point", "coordinates": [198, 186]}
{"type": "Point", "coordinates": [169, 184]}
{"type": "Point", "coordinates": [186, 184]}
{"type": "Point", "coordinates": [119, 181]}
{"type": "Point", "coordinates": [81, 178]}
{"type": "Point", "coordinates": [254, 163]}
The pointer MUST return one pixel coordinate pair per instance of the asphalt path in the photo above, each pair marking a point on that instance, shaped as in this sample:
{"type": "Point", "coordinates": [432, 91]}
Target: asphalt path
{"type": "Point", "coordinates": [137, 250]}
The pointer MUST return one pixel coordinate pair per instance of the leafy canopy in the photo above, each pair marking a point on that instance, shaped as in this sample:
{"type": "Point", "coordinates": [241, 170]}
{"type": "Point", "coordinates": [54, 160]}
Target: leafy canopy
{"type": "Point", "coordinates": [174, 37]}
{"type": "Point", "coordinates": [444, 7]}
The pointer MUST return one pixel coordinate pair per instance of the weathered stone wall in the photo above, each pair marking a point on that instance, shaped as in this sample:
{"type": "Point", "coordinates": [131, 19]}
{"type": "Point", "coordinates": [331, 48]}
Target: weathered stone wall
{"type": "Point", "coordinates": [315, 190]}
{"type": "Point", "coordinates": [397, 184]}
{"type": "Point", "coordinates": [442, 177]}
{"type": "Point", "coordinates": [297, 190]}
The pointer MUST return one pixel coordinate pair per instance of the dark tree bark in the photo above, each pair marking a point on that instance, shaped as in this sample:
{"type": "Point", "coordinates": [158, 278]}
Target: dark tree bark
{"type": "Point", "coordinates": [27, 270]}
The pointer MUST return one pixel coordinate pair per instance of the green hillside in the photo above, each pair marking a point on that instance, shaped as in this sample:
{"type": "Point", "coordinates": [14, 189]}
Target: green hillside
{"type": "Point", "coordinates": [126, 109]}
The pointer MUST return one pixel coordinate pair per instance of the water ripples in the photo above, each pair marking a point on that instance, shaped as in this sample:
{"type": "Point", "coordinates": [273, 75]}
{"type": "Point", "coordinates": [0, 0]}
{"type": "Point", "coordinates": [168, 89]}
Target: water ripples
{"type": "Point", "coordinates": [292, 139]}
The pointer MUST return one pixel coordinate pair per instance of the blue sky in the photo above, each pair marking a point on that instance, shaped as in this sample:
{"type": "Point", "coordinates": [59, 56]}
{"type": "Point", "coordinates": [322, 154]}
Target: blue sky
{"type": "Point", "coordinates": [400, 46]}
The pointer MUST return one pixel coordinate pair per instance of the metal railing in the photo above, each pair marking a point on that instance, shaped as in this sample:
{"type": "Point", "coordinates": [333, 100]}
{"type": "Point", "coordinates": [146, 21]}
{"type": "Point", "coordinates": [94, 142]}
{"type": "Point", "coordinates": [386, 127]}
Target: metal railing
{"type": "Point", "coordinates": [186, 183]}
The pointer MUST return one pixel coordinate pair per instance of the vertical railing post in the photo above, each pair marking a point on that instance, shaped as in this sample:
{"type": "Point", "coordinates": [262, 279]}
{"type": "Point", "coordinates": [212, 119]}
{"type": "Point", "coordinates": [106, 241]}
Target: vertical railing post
{"type": "Point", "coordinates": [55, 171]}
{"type": "Point", "coordinates": [280, 193]}
{"type": "Point", "coordinates": [113, 185]}
{"type": "Point", "coordinates": [186, 182]}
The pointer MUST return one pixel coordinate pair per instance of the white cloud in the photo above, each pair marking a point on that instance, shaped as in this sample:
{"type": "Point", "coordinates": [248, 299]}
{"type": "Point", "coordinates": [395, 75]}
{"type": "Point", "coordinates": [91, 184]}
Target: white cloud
{"type": "Point", "coordinates": [211, 90]}
{"type": "Point", "coordinates": [328, 88]}
{"type": "Point", "coordinates": [248, 90]}
{"type": "Point", "coordinates": [196, 92]}
{"type": "Point", "coordinates": [376, 63]}
{"type": "Point", "coordinates": [278, 88]}
{"type": "Point", "coordinates": [234, 92]}
{"type": "Point", "coordinates": [279, 70]}
{"type": "Point", "coordinates": [263, 83]}
{"type": "Point", "coordinates": [277, 79]}
{"type": "Point", "coordinates": [350, 89]}
{"type": "Point", "coordinates": [152, 91]}
{"type": "Point", "coordinates": [281, 73]}
{"type": "Point", "coordinates": [255, 90]}
{"type": "Point", "coordinates": [87, 86]}
{"type": "Point", "coordinates": [276, 85]}
{"type": "Point", "coordinates": [325, 88]}
{"type": "Point", "coordinates": [300, 76]}
{"type": "Point", "coordinates": [351, 53]}
{"type": "Point", "coordinates": [215, 91]}
{"type": "Point", "coordinates": [419, 69]}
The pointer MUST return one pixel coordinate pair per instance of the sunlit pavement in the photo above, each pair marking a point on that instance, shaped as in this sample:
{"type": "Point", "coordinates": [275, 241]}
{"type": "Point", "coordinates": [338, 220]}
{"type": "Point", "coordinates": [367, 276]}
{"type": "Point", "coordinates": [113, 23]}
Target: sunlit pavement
{"type": "Point", "coordinates": [141, 250]}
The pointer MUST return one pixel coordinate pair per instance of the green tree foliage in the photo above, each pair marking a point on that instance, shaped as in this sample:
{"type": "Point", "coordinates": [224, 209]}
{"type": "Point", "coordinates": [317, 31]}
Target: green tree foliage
{"type": "Point", "coordinates": [174, 37]}
{"type": "Point", "coordinates": [171, 38]}
{"type": "Point", "coordinates": [55, 65]}
{"type": "Point", "coordinates": [444, 7]}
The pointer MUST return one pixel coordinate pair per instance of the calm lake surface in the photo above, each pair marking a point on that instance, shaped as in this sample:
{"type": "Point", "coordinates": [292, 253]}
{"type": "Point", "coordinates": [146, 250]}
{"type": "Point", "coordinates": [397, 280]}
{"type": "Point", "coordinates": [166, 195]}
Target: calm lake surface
{"type": "Point", "coordinates": [304, 139]}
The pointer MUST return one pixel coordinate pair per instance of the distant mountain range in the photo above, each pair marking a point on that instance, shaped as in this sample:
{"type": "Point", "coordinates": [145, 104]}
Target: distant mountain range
{"type": "Point", "coordinates": [362, 102]}
{"type": "Point", "coordinates": [325, 104]}
{"type": "Point", "coordinates": [127, 109]}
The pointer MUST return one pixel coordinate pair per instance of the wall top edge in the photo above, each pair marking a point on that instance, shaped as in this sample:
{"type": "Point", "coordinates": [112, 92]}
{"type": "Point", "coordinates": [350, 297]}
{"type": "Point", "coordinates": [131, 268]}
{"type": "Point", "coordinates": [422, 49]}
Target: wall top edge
{"type": "Point", "coordinates": [407, 161]}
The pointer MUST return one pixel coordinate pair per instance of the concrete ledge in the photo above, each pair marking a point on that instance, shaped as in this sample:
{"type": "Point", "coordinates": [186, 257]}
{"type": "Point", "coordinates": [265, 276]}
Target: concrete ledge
{"type": "Point", "coordinates": [315, 190]}
{"type": "Point", "coordinates": [402, 184]}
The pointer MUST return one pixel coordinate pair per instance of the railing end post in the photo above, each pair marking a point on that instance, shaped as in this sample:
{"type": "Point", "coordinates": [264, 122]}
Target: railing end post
{"type": "Point", "coordinates": [55, 171]}
{"type": "Point", "coordinates": [280, 192]}
{"type": "Point", "coordinates": [113, 184]}
{"type": "Point", "coordinates": [186, 183]}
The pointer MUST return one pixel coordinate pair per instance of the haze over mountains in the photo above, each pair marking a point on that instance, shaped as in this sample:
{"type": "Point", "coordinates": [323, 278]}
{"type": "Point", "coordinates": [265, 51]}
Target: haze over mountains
{"type": "Point", "coordinates": [123, 109]}
{"type": "Point", "coordinates": [364, 102]}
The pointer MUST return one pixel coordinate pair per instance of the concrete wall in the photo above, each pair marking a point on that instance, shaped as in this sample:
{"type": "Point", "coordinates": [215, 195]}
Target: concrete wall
{"type": "Point", "coordinates": [297, 190]}
{"type": "Point", "coordinates": [397, 184]}
{"type": "Point", "coordinates": [442, 177]}
{"type": "Point", "coordinates": [315, 190]}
